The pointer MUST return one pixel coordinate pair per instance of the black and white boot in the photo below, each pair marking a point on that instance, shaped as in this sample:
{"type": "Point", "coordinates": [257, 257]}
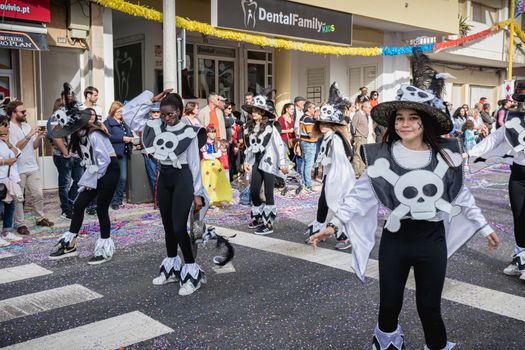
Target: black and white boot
{"type": "Point", "coordinates": [169, 271]}
{"type": "Point", "coordinates": [104, 249]}
{"type": "Point", "coordinates": [517, 265]}
{"type": "Point", "coordinates": [256, 216]}
{"type": "Point", "coordinates": [388, 341]}
{"type": "Point", "coordinates": [67, 247]}
{"type": "Point", "coordinates": [268, 217]}
{"type": "Point", "coordinates": [191, 279]}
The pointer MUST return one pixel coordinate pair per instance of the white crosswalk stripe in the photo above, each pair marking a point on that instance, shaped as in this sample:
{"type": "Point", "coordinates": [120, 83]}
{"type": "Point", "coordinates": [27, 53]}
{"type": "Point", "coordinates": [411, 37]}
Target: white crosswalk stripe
{"type": "Point", "coordinates": [30, 304]}
{"type": "Point", "coordinates": [111, 333]}
{"type": "Point", "coordinates": [482, 298]}
{"type": "Point", "coordinates": [22, 272]}
{"type": "Point", "coordinates": [4, 254]}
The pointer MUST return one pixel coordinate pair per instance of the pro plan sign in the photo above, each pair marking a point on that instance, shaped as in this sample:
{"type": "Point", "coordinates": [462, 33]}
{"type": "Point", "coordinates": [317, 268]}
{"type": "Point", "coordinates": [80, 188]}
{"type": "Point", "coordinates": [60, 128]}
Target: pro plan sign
{"type": "Point", "coordinates": [283, 18]}
{"type": "Point", "coordinates": [23, 41]}
{"type": "Point", "coordinates": [27, 10]}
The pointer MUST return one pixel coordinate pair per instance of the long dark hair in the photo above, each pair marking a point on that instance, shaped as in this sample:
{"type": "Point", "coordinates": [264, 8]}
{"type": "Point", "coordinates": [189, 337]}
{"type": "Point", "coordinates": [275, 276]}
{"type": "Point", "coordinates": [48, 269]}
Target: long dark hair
{"type": "Point", "coordinates": [250, 124]}
{"type": "Point", "coordinates": [456, 113]}
{"type": "Point", "coordinates": [429, 136]}
{"type": "Point", "coordinates": [76, 137]}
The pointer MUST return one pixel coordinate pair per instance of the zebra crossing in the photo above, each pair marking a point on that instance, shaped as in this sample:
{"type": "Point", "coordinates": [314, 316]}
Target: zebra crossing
{"type": "Point", "coordinates": [111, 333]}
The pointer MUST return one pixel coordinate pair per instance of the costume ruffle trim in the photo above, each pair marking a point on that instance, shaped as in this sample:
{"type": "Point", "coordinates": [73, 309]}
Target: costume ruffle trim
{"type": "Point", "coordinates": [171, 266]}
{"type": "Point", "coordinates": [191, 272]}
{"type": "Point", "coordinates": [105, 247]}
{"type": "Point", "coordinates": [395, 338]}
{"type": "Point", "coordinates": [66, 238]}
{"type": "Point", "coordinates": [449, 346]}
{"type": "Point", "coordinates": [269, 214]}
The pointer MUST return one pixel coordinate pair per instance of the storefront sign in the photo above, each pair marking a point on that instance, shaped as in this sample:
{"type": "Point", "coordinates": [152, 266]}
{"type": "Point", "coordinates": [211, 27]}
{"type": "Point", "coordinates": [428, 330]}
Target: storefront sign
{"type": "Point", "coordinates": [26, 10]}
{"type": "Point", "coordinates": [23, 41]}
{"type": "Point", "coordinates": [283, 18]}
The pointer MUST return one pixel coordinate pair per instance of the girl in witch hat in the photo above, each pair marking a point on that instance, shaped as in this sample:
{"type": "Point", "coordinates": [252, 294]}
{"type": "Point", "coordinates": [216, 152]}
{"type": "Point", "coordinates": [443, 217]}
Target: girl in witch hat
{"type": "Point", "coordinates": [418, 176]}
{"type": "Point", "coordinates": [99, 181]}
{"type": "Point", "coordinates": [265, 159]}
{"type": "Point", "coordinates": [334, 154]}
{"type": "Point", "coordinates": [176, 146]}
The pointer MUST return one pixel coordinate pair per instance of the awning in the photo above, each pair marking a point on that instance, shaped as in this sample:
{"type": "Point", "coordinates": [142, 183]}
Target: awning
{"type": "Point", "coordinates": [23, 37]}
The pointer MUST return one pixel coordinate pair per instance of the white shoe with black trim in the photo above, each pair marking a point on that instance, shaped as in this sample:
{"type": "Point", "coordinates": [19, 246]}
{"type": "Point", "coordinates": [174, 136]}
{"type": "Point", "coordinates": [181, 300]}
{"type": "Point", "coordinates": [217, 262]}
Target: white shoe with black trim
{"type": "Point", "coordinates": [169, 271]}
{"type": "Point", "coordinates": [517, 265]}
{"type": "Point", "coordinates": [10, 236]}
{"type": "Point", "coordinates": [192, 278]}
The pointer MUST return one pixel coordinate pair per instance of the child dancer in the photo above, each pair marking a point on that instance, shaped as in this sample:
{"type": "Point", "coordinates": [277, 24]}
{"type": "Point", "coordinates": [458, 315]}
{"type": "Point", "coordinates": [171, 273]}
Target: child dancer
{"type": "Point", "coordinates": [419, 177]}
{"type": "Point", "coordinates": [91, 142]}
{"type": "Point", "coordinates": [215, 181]}
{"type": "Point", "coordinates": [176, 146]}
{"type": "Point", "coordinates": [264, 159]}
{"type": "Point", "coordinates": [334, 153]}
{"type": "Point", "coordinates": [506, 146]}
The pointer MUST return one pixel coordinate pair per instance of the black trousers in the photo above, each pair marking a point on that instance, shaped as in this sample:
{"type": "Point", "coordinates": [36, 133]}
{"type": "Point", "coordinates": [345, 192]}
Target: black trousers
{"type": "Point", "coordinates": [258, 178]}
{"type": "Point", "coordinates": [517, 201]}
{"type": "Point", "coordinates": [106, 186]}
{"type": "Point", "coordinates": [175, 196]}
{"type": "Point", "coordinates": [322, 207]}
{"type": "Point", "coordinates": [419, 244]}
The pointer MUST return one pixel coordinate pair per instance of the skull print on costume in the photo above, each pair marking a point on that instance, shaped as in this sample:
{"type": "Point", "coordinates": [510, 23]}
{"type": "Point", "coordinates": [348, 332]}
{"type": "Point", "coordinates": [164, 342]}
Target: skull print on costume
{"type": "Point", "coordinates": [515, 132]}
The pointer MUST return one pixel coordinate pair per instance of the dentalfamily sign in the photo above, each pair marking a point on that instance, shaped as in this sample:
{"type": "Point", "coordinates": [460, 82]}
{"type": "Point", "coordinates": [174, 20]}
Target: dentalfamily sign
{"type": "Point", "coordinates": [283, 18]}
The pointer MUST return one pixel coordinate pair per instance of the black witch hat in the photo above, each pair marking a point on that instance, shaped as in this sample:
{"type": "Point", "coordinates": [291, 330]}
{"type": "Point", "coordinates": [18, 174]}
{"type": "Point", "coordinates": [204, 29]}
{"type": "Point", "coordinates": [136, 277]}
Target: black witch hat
{"type": "Point", "coordinates": [333, 111]}
{"type": "Point", "coordinates": [424, 95]}
{"type": "Point", "coordinates": [263, 101]}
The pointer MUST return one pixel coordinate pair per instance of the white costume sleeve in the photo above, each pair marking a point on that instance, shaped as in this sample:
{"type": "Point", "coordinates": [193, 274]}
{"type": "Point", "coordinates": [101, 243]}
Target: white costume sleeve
{"type": "Point", "coordinates": [358, 216]}
{"type": "Point", "coordinates": [279, 145]}
{"type": "Point", "coordinates": [136, 112]}
{"type": "Point", "coordinates": [488, 144]}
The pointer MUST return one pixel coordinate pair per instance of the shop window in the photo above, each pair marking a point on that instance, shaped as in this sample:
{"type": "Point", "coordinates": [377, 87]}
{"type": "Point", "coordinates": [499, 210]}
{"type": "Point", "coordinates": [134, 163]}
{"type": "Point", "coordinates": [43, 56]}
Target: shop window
{"type": "Point", "coordinates": [483, 14]}
{"type": "Point", "coordinates": [5, 59]}
{"type": "Point", "coordinates": [259, 70]}
{"type": "Point", "coordinates": [188, 74]}
{"type": "Point", "coordinates": [215, 71]}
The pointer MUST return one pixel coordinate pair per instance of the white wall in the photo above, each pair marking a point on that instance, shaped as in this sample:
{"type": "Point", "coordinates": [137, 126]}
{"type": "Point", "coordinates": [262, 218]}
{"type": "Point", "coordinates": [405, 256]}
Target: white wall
{"type": "Point", "coordinates": [396, 69]}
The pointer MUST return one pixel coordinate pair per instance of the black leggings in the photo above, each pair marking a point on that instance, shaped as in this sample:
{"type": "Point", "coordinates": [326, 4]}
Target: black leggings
{"type": "Point", "coordinates": [175, 196]}
{"type": "Point", "coordinates": [517, 202]}
{"type": "Point", "coordinates": [104, 192]}
{"type": "Point", "coordinates": [258, 177]}
{"type": "Point", "coordinates": [322, 207]}
{"type": "Point", "coordinates": [419, 244]}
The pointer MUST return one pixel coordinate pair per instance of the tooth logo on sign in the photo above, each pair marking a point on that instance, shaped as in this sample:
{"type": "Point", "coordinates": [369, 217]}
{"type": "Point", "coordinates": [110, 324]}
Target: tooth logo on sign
{"type": "Point", "coordinates": [249, 7]}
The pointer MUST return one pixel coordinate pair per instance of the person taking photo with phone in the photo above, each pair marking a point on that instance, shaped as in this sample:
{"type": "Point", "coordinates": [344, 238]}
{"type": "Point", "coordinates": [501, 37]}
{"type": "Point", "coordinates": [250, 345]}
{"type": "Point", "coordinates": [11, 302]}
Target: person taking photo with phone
{"type": "Point", "coordinates": [27, 138]}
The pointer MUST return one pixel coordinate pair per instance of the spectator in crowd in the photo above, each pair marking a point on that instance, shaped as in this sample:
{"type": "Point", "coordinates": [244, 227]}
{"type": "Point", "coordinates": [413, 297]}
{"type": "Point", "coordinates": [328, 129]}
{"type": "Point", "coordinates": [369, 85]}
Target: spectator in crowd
{"type": "Point", "coordinates": [348, 115]}
{"type": "Point", "coordinates": [469, 136]}
{"type": "Point", "coordinates": [224, 147]}
{"type": "Point", "coordinates": [459, 119]}
{"type": "Point", "coordinates": [229, 120]}
{"type": "Point", "coordinates": [298, 102]}
{"type": "Point", "coordinates": [90, 101]}
{"type": "Point", "coordinates": [362, 97]}
{"type": "Point", "coordinates": [248, 100]}
{"type": "Point", "coordinates": [502, 113]}
{"type": "Point", "coordinates": [213, 178]}
{"type": "Point", "coordinates": [149, 161]}
{"type": "Point", "coordinates": [67, 163]}
{"type": "Point", "coordinates": [212, 114]}
{"type": "Point", "coordinates": [286, 122]}
{"type": "Point", "coordinates": [8, 172]}
{"type": "Point", "coordinates": [363, 126]}
{"type": "Point", "coordinates": [121, 139]}
{"type": "Point", "coordinates": [191, 110]}
{"type": "Point", "coordinates": [374, 98]}
{"type": "Point", "coordinates": [308, 144]}
{"type": "Point", "coordinates": [487, 117]}
{"type": "Point", "coordinates": [483, 100]}
{"type": "Point", "coordinates": [479, 126]}
{"type": "Point", "coordinates": [466, 108]}
{"type": "Point", "coordinates": [27, 138]}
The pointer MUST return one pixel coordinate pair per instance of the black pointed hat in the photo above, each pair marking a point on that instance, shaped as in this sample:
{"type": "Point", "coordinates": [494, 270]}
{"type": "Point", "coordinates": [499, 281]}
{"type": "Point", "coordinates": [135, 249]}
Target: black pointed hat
{"type": "Point", "coordinates": [333, 110]}
{"type": "Point", "coordinates": [424, 95]}
{"type": "Point", "coordinates": [263, 101]}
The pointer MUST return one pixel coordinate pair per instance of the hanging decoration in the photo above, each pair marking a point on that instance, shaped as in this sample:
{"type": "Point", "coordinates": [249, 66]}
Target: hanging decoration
{"type": "Point", "coordinates": [260, 40]}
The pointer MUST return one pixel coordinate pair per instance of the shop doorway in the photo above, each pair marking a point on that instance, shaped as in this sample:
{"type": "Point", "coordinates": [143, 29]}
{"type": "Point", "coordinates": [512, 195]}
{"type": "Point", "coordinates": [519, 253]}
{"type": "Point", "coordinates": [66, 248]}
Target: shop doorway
{"type": "Point", "coordinates": [259, 71]}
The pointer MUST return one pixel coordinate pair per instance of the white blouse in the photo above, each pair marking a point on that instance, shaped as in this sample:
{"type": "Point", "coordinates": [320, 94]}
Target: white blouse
{"type": "Point", "coordinates": [102, 152]}
{"type": "Point", "coordinates": [6, 153]}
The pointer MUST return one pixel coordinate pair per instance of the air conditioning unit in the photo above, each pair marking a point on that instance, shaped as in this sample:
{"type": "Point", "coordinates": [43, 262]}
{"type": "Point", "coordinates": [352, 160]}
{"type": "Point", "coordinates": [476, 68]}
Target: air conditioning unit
{"type": "Point", "coordinates": [78, 19]}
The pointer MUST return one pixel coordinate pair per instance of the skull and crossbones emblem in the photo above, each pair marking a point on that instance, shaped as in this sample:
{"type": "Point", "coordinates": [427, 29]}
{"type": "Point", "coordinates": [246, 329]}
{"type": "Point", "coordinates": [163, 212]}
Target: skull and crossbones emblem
{"type": "Point", "coordinates": [418, 191]}
{"type": "Point", "coordinates": [328, 112]}
{"type": "Point", "coordinates": [166, 142]}
{"type": "Point", "coordinates": [515, 123]}
{"type": "Point", "coordinates": [87, 160]}
{"type": "Point", "coordinates": [256, 142]}
{"type": "Point", "coordinates": [61, 117]}
{"type": "Point", "coordinates": [259, 101]}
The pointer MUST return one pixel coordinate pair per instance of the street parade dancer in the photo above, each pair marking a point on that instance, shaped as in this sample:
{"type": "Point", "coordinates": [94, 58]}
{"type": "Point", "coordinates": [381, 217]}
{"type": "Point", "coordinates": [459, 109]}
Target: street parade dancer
{"type": "Point", "coordinates": [507, 145]}
{"type": "Point", "coordinates": [418, 176]}
{"type": "Point", "coordinates": [334, 156]}
{"type": "Point", "coordinates": [176, 146]}
{"type": "Point", "coordinates": [265, 159]}
{"type": "Point", "coordinates": [91, 142]}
